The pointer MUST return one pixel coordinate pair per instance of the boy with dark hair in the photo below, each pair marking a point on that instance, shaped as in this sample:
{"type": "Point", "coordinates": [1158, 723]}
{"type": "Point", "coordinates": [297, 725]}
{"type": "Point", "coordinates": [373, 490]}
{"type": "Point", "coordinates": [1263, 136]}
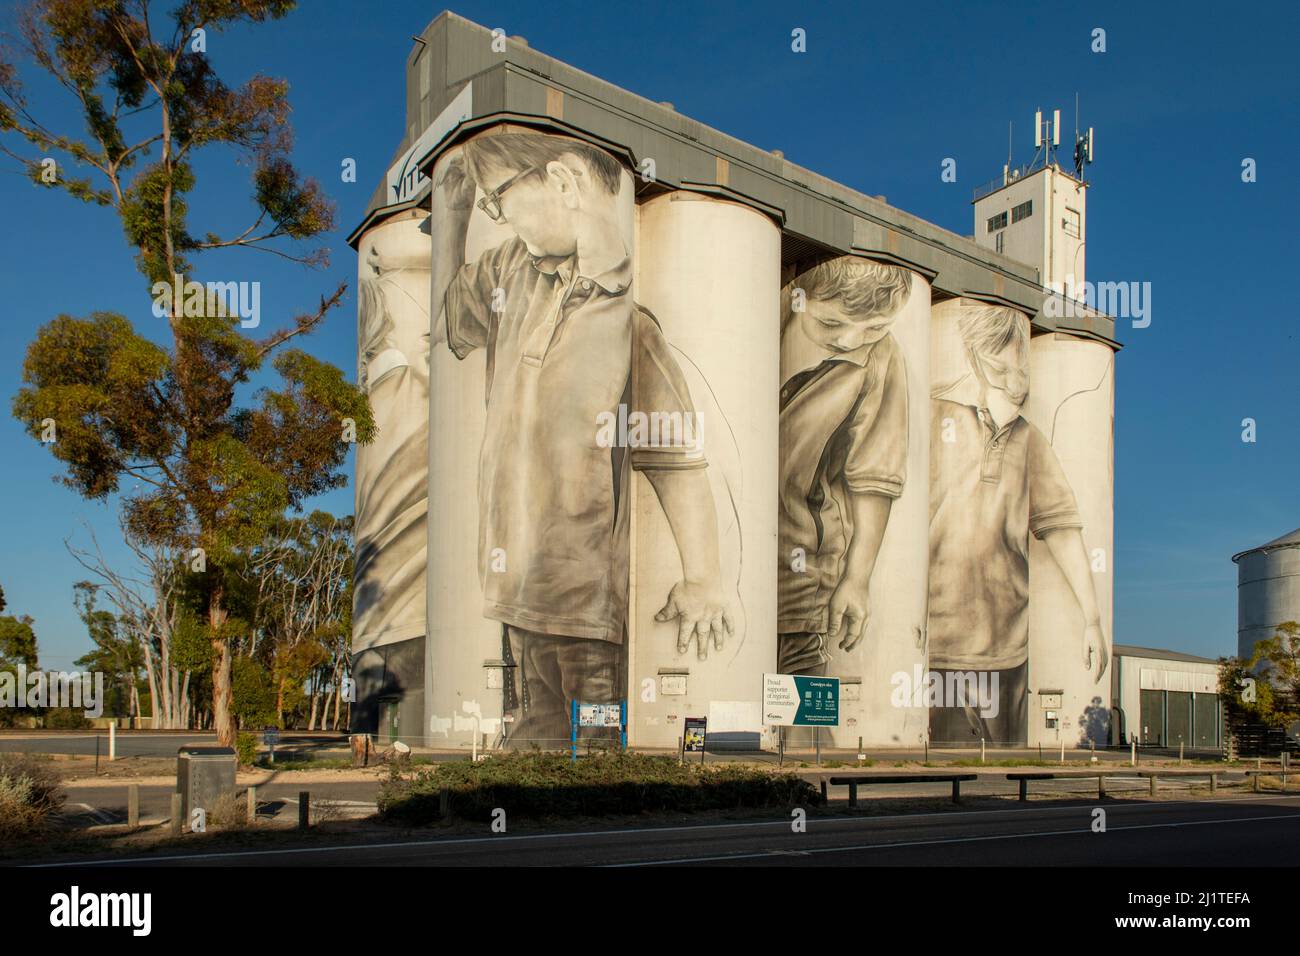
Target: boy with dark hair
{"type": "Point", "coordinates": [843, 451]}
{"type": "Point", "coordinates": [565, 345]}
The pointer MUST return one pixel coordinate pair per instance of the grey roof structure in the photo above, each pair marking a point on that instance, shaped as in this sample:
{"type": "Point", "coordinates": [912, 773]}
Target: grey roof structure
{"type": "Point", "coordinates": [516, 84]}
{"type": "Point", "coordinates": [1291, 540]}
{"type": "Point", "coordinates": [1132, 650]}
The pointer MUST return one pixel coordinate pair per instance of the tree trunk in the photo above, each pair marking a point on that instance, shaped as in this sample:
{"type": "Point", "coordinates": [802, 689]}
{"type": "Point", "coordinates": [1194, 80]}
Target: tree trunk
{"type": "Point", "coordinates": [338, 699]}
{"type": "Point", "coordinates": [223, 718]}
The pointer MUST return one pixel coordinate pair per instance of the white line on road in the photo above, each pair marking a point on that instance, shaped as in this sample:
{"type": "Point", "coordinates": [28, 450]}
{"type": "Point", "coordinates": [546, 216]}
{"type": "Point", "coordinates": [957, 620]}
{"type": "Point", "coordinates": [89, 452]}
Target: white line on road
{"type": "Point", "coordinates": [947, 840]}
{"type": "Point", "coordinates": [505, 838]}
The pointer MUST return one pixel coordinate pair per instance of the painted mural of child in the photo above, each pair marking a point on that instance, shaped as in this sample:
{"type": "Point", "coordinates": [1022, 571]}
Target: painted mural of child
{"type": "Point", "coordinates": [566, 346]}
{"type": "Point", "coordinates": [994, 480]}
{"type": "Point", "coordinates": [843, 439]}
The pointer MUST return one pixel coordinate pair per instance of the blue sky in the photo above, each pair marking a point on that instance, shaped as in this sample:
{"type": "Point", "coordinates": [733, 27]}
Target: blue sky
{"type": "Point", "coordinates": [883, 94]}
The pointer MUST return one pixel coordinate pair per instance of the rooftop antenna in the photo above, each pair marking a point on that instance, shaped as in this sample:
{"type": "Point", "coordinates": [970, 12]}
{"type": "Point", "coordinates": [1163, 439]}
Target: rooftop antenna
{"type": "Point", "coordinates": [1082, 144]}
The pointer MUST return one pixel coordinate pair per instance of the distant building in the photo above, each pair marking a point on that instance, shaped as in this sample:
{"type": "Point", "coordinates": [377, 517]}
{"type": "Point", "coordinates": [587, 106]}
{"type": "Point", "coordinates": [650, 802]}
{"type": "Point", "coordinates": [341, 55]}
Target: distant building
{"type": "Point", "coordinates": [1268, 590]}
{"type": "Point", "coordinates": [1165, 698]}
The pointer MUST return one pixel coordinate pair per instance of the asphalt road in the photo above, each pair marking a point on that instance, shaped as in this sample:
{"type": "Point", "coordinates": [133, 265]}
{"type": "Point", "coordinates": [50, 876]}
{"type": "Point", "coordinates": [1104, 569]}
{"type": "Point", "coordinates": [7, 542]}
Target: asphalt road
{"type": "Point", "coordinates": [1228, 831]}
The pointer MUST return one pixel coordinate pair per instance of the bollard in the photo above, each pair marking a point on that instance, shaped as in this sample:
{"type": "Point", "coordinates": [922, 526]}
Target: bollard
{"type": "Point", "coordinates": [1153, 784]}
{"type": "Point", "coordinates": [1062, 751]}
{"type": "Point", "coordinates": [1133, 752]}
{"type": "Point", "coordinates": [133, 806]}
{"type": "Point", "coordinates": [252, 804]}
{"type": "Point", "coordinates": [112, 741]}
{"type": "Point", "coordinates": [981, 750]}
{"type": "Point", "coordinates": [1101, 786]}
{"type": "Point", "coordinates": [825, 795]}
{"type": "Point", "coordinates": [1180, 751]}
{"type": "Point", "coordinates": [304, 809]}
{"type": "Point", "coordinates": [176, 814]}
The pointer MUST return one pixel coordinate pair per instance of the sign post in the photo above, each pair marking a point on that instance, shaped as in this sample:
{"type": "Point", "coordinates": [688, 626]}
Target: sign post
{"type": "Point", "coordinates": [597, 715]}
{"type": "Point", "coordinates": [697, 729]}
{"type": "Point", "coordinates": [796, 700]}
{"type": "Point", "coordinates": [271, 737]}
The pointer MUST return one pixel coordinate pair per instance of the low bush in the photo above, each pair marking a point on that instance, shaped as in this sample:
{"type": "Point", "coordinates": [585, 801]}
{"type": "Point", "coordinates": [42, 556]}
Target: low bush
{"type": "Point", "coordinates": [553, 785]}
{"type": "Point", "coordinates": [29, 795]}
{"type": "Point", "coordinates": [246, 748]}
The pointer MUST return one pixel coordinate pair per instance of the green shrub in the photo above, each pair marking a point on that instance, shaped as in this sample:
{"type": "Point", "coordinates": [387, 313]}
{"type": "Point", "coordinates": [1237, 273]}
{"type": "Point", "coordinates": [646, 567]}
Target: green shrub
{"type": "Point", "coordinates": [29, 795]}
{"type": "Point", "coordinates": [552, 785]}
{"type": "Point", "coordinates": [246, 748]}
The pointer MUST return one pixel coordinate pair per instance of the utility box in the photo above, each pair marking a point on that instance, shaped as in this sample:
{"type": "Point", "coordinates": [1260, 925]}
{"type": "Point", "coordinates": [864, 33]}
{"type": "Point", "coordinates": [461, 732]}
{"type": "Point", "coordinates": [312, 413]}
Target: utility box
{"type": "Point", "coordinates": [203, 776]}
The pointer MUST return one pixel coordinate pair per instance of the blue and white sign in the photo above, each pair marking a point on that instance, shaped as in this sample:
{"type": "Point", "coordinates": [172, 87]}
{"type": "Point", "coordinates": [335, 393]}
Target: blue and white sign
{"type": "Point", "coordinates": [796, 700]}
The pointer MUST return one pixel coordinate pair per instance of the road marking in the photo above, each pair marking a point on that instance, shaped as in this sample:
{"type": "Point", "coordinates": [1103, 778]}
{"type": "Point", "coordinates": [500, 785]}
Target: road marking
{"type": "Point", "coordinates": [578, 834]}
{"type": "Point", "coordinates": [978, 839]}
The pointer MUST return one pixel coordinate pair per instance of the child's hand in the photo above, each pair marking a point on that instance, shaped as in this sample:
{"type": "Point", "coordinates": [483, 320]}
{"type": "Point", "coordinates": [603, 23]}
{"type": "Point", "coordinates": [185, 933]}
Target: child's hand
{"type": "Point", "coordinates": [1094, 649]}
{"type": "Point", "coordinates": [454, 185]}
{"type": "Point", "coordinates": [701, 612]}
{"type": "Point", "coordinates": [848, 613]}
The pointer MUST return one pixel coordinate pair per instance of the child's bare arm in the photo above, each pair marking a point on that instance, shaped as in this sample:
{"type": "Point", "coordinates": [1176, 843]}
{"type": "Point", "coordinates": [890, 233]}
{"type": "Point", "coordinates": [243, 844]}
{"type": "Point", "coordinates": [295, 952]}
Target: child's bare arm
{"type": "Point", "coordinates": [849, 608]}
{"type": "Point", "coordinates": [696, 600]}
{"type": "Point", "coordinates": [452, 203]}
{"type": "Point", "coordinates": [1066, 545]}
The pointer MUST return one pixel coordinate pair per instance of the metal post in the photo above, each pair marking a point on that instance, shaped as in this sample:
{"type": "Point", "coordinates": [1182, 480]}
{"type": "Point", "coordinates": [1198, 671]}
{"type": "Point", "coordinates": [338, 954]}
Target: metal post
{"type": "Point", "coordinates": [1101, 786]}
{"type": "Point", "coordinates": [304, 809]}
{"type": "Point", "coordinates": [622, 722]}
{"type": "Point", "coordinates": [112, 741]}
{"type": "Point", "coordinates": [1062, 751]}
{"type": "Point", "coordinates": [927, 749]}
{"type": "Point", "coordinates": [133, 805]}
{"type": "Point", "coordinates": [780, 746]}
{"type": "Point", "coordinates": [176, 814]}
{"type": "Point", "coordinates": [681, 749]}
{"type": "Point", "coordinates": [981, 749]}
{"type": "Point", "coordinates": [96, 755]}
{"type": "Point", "coordinates": [817, 738]}
{"type": "Point", "coordinates": [252, 804]}
{"type": "Point", "coordinates": [573, 729]}
{"type": "Point", "coordinates": [1154, 780]}
{"type": "Point", "coordinates": [444, 803]}
{"type": "Point", "coordinates": [1040, 751]}
{"type": "Point", "coordinates": [1180, 751]}
{"type": "Point", "coordinates": [1133, 752]}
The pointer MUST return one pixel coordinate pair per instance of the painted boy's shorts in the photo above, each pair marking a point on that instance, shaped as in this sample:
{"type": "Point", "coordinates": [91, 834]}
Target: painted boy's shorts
{"type": "Point", "coordinates": [801, 652]}
{"type": "Point", "coordinates": [967, 725]}
{"type": "Point", "coordinates": [551, 671]}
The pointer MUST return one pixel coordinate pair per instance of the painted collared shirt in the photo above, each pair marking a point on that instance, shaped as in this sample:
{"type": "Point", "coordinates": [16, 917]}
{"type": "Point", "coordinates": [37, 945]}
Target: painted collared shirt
{"type": "Point", "coordinates": [990, 487]}
{"type": "Point", "coordinates": [563, 350]}
{"type": "Point", "coordinates": [843, 431]}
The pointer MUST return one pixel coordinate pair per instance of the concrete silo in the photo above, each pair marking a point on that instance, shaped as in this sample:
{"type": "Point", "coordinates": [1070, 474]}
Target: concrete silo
{"type": "Point", "coordinates": [1268, 589]}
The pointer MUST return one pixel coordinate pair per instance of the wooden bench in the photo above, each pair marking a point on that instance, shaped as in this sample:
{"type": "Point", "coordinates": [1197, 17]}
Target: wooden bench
{"type": "Point", "coordinates": [1155, 775]}
{"type": "Point", "coordinates": [858, 780]}
{"type": "Point", "coordinates": [1023, 777]}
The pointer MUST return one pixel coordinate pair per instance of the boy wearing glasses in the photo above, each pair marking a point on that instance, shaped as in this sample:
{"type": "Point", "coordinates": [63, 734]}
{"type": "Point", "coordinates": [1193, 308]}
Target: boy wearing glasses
{"type": "Point", "coordinates": [566, 346]}
{"type": "Point", "coordinates": [994, 479]}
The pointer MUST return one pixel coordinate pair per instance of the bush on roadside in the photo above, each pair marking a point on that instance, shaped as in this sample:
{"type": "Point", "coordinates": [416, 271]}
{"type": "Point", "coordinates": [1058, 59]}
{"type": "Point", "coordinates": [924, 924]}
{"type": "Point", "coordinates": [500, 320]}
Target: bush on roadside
{"type": "Point", "coordinates": [29, 795]}
{"type": "Point", "coordinates": [552, 785]}
{"type": "Point", "coordinates": [246, 748]}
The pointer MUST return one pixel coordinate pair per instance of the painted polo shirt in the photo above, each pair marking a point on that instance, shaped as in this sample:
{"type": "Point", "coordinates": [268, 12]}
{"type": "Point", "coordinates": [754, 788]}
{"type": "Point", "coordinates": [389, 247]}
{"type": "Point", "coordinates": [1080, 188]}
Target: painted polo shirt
{"type": "Point", "coordinates": [843, 431]}
{"type": "Point", "coordinates": [990, 487]}
{"type": "Point", "coordinates": [565, 351]}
